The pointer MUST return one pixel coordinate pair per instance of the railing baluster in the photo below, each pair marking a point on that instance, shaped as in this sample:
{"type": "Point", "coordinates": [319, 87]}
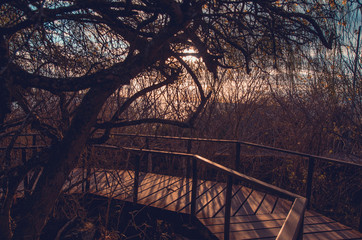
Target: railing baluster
{"type": "Point", "coordinates": [228, 207]}
{"type": "Point", "coordinates": [83, 172]}
{"type": "Point", "coordinates": [95, 180]}
{"type": "Point", "coordinates": [309, 180]}
{"type": "Point", "coordinates": [83, 180]}
{"type": "Point", "coordinates": [26, 179]}
{"type": "Point", "coordinates": [34, 144]}
{"type": "Point", "coordinates": [194, 189]}
{"type": "Point", "coordinates": [360, 218]}
{"type": "Point", "coordinates": [237, 157]}
{"type": "Point", "coordinates": [136, 179]}
{"type": "Point", "coordinates": [301, 229]}
{"type": "Point", "coordinates": [86, 165]}
{"type": "Point", "coordinates": [147, 156]}
{"type": "Point", "coordinates": [149, 162]}
{"type": "Point", "coordinates": [188, 167]}
{"type": "Point", "coordinates": [147, 142]}
{"type": "Point", "coordinates": [33, 175]}
{"type": "Point", "coordinates": [87, 183]}
{"type": "Point", "coordinates": [189, 146]}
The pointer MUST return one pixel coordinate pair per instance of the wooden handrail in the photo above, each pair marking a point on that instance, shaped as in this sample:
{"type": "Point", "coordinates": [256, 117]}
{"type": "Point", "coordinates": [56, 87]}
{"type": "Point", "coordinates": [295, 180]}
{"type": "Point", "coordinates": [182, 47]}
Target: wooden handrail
{"type": "Point", "coordinates": [328, 159]}
{"type": "Point", "coordinates": [265, 186]}
{"type": "Point", "coordinates": [25, 147]}
{"type": "Point", "coordinates": [311, 158]}
{"type": "Point", "coordinates": [292, 228]}
{"type": "Point", "coordinates": [293, 225]}
{"type": "Point", "coordinates": [340, 161]}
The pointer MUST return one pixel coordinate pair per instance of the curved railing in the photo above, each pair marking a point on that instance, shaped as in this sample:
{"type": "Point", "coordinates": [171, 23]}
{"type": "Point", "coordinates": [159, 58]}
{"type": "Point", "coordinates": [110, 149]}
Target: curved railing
{"type": "Point", "coordinates": [311, 158]}
{"type": "Point", "coordinates": [237, 161]}
{"type": "Point", "coordinates": [292, 227]}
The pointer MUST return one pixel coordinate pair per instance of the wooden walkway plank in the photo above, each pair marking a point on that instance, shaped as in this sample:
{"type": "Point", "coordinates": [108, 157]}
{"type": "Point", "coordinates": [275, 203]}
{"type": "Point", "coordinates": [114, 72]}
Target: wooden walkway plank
{"type": "Point", "coordinates": [149, 184]}
{"type": "Point", "coordinates": [256, 215]}
{"type": "Point", "coordinates": [244, 219]}
{"type": "Point", "coordinates": [234, 200]}
{"type": "Point", "coordinates": [317, 219]}
{"type": "Point", "coordinates": [203, 196]}
{"type": "Point", "coordinates": [161, 192]}
{"type": "Point", "coordinates": [215, 204]}
{"type": "Point", "coordinates": [102, 184]}
{"type": "Point", "coordinates": [116, 182]}
{"type": "Point", "coordinates": [179, 200]}
{"type": "Point", "coordinates": [251, 204]}
{"type": "Point", "coordinates": [235, 227]}
{"type": "Point", "coordinates": [218, 204]}
{"type": "Point", "coordinates": [93, 188]}
{"type": "Point", "coordinates": [124, 176]}
{"type": "Point", "coordinates": [324, 227]}
{"type": "Point", "coordinates": [155, 188]}
{"type": "Point", "coordinates": [282, 206]}
{"type": "Point", "coordinates": [177, 191]}
{"type": "Point", "coordinates": [267, 204]}
{"type": "Point", "coordinates": [100, 180]}
{"type": "Point", "coordinates": [335, 235]}
{"type": "Point", "coordinates": [73, 184]}
{"type": "Point", "coordinates": [311, 213]}
{"type": "Point", "coordinates": [185, 200]}
{"type": "Point", "coordinates": [148, 187]}
{"type": "Point", "coordinates": [147, 179]}
{"type": "Point", "coordinates": [108, 186]}
{"type": "Point", "coordinates": [124, 185]}
{"type": "Point", "coordinates": [239, 198]}
{"type": "Point", "coordinates": [251, 234]}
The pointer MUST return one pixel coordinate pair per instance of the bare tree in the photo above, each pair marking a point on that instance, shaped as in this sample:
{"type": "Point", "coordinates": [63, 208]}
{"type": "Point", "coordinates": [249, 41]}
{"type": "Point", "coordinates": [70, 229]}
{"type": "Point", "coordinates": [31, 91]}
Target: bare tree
{"type": "Point", "coordinates": [64, 63]}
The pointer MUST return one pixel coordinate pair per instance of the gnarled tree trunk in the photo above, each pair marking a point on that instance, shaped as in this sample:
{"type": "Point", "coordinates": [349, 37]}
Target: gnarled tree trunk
{"type": "Point", "coordinates": [62, 158]}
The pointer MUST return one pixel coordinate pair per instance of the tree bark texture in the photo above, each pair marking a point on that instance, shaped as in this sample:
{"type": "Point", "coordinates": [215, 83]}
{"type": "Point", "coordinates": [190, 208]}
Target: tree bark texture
{"type": "Point", "coordinates": [62, 158]}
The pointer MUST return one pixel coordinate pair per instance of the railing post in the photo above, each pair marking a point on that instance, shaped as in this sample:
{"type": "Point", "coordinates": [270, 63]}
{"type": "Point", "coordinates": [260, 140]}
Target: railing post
{"type": "Point", "coordinates": [34, 144]}
{"type": "Point", "coordinates": [147, 143]}
{"type": "Point", "coordinates": [84, 172]}
{"type": "Point", "coordinates": [87, 182]}
{"type": "Point", "coordinates": [136, 179]}
{"type": "Point", "coordinates": [194, 189]}
{"type": "Point", "coordinates": [237, 157]}
{"type": "Point", "coordinates": [360, 218]}
{"type": "Point", "coordinates": [228, 207]}
{"type": "Point", "coordinates": [26, 179]}
{"type": "Point", "coordinates": [23, 155]}
{"type": "Point", "coordinates": [34, 174]}
{"type": "Point", "coordinates": [32, 177]}
{"type": "Point", "coordinates": [301, 229]}
{"type": "Point", "coordinates": [149, 162]}
{"type": "Point", "coordinates": [148, 156]}
{"type": "Point", "coordinates": [310, 180]}
{"type": "Point", "coordinates": [188, 167]}
{"type": "Point", "coordinates": [95, 180]}
{"type": "Point", "coordinates": [189, 145]}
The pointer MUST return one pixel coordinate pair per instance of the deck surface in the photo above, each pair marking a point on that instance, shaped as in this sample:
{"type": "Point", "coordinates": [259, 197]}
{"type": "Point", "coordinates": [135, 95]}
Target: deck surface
{"type": "Point", "coordinates": [254, 214]}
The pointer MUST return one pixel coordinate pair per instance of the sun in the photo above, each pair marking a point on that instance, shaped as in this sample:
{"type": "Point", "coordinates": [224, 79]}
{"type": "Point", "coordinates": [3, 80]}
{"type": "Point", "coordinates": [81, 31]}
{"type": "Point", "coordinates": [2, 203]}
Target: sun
{"type": "Point", "coordinates": [190, 55]}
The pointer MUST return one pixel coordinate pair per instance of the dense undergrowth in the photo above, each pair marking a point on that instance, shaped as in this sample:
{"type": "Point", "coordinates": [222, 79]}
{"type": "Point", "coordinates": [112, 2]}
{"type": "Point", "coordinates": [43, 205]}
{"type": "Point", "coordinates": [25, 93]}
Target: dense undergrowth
{"type": "Point", "coordinates": [86, 217]}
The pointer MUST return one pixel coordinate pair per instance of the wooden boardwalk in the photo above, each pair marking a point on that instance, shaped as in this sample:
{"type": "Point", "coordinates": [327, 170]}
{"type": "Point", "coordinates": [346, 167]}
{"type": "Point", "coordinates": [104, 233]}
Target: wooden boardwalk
{"type": "Point", "coordinates": [254, 214]}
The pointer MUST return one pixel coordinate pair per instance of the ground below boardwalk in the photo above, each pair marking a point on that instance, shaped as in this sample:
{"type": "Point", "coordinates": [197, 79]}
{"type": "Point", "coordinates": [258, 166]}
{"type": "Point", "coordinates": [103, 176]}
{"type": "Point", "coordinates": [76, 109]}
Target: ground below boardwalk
{"type": "Point", "coordinates": [85, 217]}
